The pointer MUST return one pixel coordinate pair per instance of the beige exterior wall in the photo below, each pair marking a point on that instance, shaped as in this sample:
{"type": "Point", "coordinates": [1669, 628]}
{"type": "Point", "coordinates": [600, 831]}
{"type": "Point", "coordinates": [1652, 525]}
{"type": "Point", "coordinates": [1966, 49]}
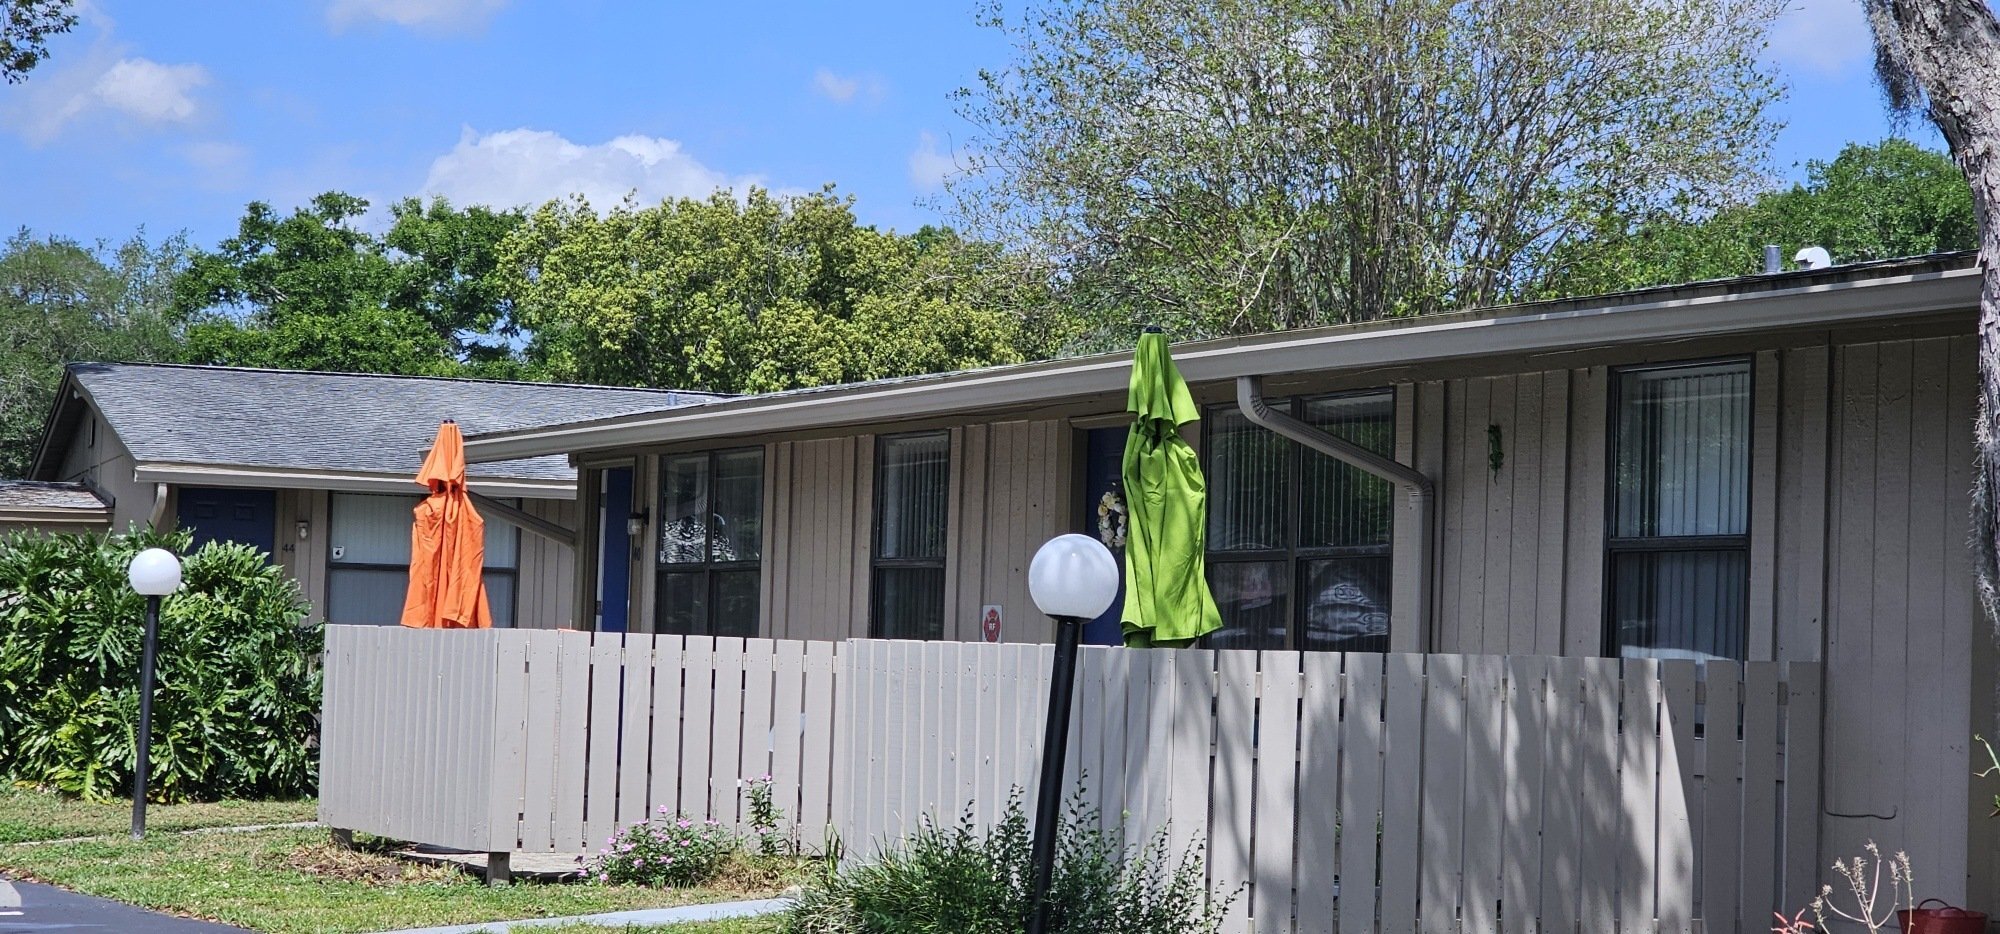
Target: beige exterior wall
{"type": "Point", "coordinates": [97, 459]}
{"type": "Point", "coordinates": [1012, 489]}
{"type": "Point", "coordinates": [547, 569]}
{"type": "Point", "coordinates": [818, 508]}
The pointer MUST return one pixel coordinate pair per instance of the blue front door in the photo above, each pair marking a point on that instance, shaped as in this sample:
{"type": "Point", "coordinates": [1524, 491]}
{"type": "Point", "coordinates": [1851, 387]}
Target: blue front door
{"type": "Point", "coordinates": [614, 551]}
{"type": "Point", "coordinates": [1103, 502]}
{"type": "Point", "coordinates": [247, 517]}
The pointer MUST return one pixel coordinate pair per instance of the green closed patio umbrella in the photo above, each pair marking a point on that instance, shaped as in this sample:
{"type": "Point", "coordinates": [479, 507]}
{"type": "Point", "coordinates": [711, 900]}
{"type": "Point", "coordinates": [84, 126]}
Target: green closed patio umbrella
{"type": "Point", "coordinates": [1167, 603]}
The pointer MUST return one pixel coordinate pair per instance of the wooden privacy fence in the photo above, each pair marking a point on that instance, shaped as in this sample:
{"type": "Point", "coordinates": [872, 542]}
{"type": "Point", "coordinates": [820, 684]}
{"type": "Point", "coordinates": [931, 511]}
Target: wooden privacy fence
{"type": "Point", "coordinates": [1348, 792]}
{"type": "Point", "coordinates": [1368, 792]}
{"type": "Point", "coordinates": [511, 740]}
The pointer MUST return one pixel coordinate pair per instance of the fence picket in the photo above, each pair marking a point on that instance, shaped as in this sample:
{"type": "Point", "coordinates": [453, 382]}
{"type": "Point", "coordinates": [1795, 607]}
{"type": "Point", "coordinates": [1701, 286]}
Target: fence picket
{"type": "Point", "coordinates": [1236, 728]}
{"type": "Point", "coordinates": [1487, 786]}
{"type": "Point", "coordinates": [1760, 791]}
{"type": "Point", "coordinates": [669, 666]}
{"type": "Point", "coordinates": [788, 685]}
{"type": "Point", "coordinates": [818, 767]}
{"type": "Point", "coordinates": [1402, 763]}
{"type": "Point", "coordinates": [1527, 728]}
{"type": "Point", "coordinates": [697, 721]}
{"type": "Point", "coordinates": [759, 681]}
{"type": "Point", "coordinates": [1318, 854]}
{"type": "Point", "coordinates": [726, 738]}
{"type": "Point", "coordinates": [1676, 843]}
{"type": "Point", "coordinates": [1562, 818]}
{"type": "Point", "coordinates": [635, 729]}
{"type": "Point", "coordinates": [1601, 797]}
{"type": "Point", "coordinates": [1443, 794]}
{"type": "Point", "coordinates": [1639, 781]}
{"type": "Point", "coordinates": [1277, 817]}
{"type": "Point", "coordinates": [1722, 797]}
{"type": "Point", "coordinates": [607, 677]}
{"type": "Point", "coordinates": [1801, 810]}
{"type": "Point", "coordinates": [571, 741]}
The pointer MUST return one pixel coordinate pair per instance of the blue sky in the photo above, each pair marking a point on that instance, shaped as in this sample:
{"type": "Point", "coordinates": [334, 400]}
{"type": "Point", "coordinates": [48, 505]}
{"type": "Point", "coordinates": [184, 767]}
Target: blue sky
{"type": "Point", "coordinates": [174, 115]}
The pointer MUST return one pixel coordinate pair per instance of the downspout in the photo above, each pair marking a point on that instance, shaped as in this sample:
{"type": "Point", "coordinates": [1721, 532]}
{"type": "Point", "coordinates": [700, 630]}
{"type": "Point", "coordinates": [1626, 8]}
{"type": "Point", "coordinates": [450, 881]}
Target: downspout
{"type": "Point", "coordinates": [1422, 492]}
{"type": "Point", "coordinates": [159, 514]}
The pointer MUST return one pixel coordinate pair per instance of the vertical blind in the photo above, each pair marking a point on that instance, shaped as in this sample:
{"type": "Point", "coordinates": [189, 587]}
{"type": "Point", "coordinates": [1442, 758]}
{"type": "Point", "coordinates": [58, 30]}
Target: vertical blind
{"type": "Point", "coordinates": [1683, 463]}
{"type": "Point", "coordinates": [911, 502]}
{"type": "Point", "coordinates": [1679, 571]}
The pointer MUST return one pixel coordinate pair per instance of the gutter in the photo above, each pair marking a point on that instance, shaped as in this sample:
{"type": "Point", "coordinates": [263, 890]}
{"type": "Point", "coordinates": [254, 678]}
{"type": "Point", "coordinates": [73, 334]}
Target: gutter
{"type": "Point", "coordinates": [1422, 492]}
{"type": "Point", "coordinates": [1371, 346]}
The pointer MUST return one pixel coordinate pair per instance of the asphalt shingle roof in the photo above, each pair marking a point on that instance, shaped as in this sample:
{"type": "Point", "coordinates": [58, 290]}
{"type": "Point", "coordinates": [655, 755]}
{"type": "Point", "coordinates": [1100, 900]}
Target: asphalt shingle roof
{"type": "Point", "coordinates": [336, 421]}
{"type": "Point", "coordinates": [33, 494]}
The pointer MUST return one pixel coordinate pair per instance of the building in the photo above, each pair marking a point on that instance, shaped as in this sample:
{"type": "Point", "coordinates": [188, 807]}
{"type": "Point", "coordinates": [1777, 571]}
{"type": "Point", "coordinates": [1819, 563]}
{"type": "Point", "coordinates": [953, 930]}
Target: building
{"type": "Point", "coordinates": [1770, 469]}
{"type": "Point", "coordinates": [317, 469]}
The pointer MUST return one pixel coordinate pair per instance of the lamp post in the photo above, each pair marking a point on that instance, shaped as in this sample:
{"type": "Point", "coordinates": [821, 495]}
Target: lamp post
{"type": "Point", "coordinates": [1072, 579]}
{"type": "Point", "coordinates": [155, 573]}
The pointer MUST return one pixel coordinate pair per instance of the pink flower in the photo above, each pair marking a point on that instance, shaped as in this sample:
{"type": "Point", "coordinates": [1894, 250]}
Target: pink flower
{"type": "Point", "coordinates": [685, 823]}
{"type": "Point", "coordinates": [663, 809]}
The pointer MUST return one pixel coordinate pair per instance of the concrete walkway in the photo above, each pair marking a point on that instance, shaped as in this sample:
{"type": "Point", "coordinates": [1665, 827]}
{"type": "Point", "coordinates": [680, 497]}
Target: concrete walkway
{"type": "Point", "coordinates": [718, 911]}
{"type": "Point", "coordinates": [33, 908]}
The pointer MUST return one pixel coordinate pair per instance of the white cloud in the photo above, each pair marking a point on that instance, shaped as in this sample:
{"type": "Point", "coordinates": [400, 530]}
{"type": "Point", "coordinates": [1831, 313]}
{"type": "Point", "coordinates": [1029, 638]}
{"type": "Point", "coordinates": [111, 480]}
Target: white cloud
{"type": "Point", "coordinates": [844, 89]}
{"type": "Point", "coordinates": [1826, 38]}
{"type": "Point", "coordinates": [100, 81]}
{"type": "Point", "coordinates": [151, 91]}
{"type": "Point", "coordinates": [440, 15]}
{"type": "Point", "coordinates": [529, 167]}
{"type": "Point", "coordinates": [930, 166]}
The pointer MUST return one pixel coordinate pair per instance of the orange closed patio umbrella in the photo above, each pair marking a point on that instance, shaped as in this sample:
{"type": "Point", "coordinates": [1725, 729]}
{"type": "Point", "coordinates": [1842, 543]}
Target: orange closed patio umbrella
{"type": "Point", "coordinates": [447, 545]}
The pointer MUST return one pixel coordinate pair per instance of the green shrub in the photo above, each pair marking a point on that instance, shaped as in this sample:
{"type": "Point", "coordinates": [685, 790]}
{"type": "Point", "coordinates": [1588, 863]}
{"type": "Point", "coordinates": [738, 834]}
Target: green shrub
{"type": "Point", "coordinates": [958, 880]}
{"type": "Point", "coordinates": [236, 702]}
{"type": "Point", "coordinates": [671, 851]}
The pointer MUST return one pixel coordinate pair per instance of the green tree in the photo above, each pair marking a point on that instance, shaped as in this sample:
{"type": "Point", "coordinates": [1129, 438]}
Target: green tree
{"type": "Point", "coordinates": [314, 290]}
{"type": "Point", "coordinates": [1232, 166]}
{"type": "Point", "coordinates": [1873, 201]}
{"type": "Point", "coordinates": [62, 302]}
{"type": "Point", "coordinates": [25, 28]}
{"type": "Point", "coordinates": [762, 294]}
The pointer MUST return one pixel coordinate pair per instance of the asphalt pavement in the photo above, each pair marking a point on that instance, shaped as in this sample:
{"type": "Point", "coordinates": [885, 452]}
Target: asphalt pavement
{"type": "Point", "coordinates": [32, 908]}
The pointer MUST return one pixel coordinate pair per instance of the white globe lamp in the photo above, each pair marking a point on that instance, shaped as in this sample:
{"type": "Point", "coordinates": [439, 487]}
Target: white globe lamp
{"type": "Point", "coordinates": [1073, 577]}
{"type": "Point", "coordinates": [153, 573]}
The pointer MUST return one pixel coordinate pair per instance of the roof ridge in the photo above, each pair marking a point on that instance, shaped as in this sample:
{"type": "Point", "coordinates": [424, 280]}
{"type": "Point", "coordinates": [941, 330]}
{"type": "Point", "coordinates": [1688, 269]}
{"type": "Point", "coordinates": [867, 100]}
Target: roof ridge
{"type": "Point", "coordinates": [401, 376]}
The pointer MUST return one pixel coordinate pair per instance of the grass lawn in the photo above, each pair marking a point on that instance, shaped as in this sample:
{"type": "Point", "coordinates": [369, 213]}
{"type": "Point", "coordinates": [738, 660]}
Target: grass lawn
{"type": "Point", "coordinates": [296, 881]}
{"type": "Point", "coordinates": [33, 815]}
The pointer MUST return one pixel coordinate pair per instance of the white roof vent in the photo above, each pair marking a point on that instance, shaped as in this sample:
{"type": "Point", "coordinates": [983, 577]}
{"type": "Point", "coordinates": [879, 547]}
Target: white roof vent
{"type": "Point", "coordinates": [1812, 257]}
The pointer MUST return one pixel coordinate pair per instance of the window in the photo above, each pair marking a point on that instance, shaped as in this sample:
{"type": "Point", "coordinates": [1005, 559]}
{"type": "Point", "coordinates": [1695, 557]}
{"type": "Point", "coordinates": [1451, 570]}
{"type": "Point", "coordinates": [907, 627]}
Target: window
{"type": "Point", "coordinates": [1679, 561]}
{"type": "Point", "coordinates": [912, 476]}
{"type": "Point", "coordinates": [1298, 542]}
{"type": "Point", "coordinates": [368, 564]}
{"type": "Point", "coordinates": [709, 560]}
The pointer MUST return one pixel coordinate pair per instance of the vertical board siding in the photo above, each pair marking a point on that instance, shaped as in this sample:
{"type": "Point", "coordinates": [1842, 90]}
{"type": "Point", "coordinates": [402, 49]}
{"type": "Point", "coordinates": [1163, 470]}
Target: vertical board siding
{"type": "Point", "coordinates": [1901, 616]}
{"type": "Point", "coordinates": [1011, 491]}
{"type": "Point", "coordinates": [817, 540]}
{"type": "Point", "coordinates": [545, 588]}
{"type": "Point", "coordinates": [1503, 551]}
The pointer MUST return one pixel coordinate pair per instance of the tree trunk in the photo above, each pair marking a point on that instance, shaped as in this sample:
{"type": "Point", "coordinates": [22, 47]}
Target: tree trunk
{"type": "Point", "coordinates": [1951, 48]}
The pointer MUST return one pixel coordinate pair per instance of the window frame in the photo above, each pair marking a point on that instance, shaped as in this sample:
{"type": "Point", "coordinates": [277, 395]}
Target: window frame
{"type": "Point", "coordinates": [513, 574]}
{"type": "Point", "coordinates": [1297, 558]}
{"type": "Point", "coordinates": [1616, 545]}
{"type": "Point", "coordinates": [707, 568]}
{"type": "Point", "coordinates": [876, 563]}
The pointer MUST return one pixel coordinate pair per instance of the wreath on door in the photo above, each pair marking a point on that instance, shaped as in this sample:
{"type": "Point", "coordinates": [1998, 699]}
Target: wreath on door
{"type": "Point", "coordinates": [1111, 519]}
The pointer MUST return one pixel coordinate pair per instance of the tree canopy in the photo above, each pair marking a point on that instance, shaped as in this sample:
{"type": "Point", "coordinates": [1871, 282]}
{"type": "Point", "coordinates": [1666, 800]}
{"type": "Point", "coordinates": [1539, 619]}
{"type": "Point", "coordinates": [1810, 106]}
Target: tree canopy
{"type": "Point", "coordinates": [752, 295]}
{"type": "Point", "coordinates": [1873, 201]}
{"type": "Point", "coordinates": [314, 290]}
{"type": "Point", "coordinates": [1234, 166]}
{"type": "Point", "coordinates": [62, 302]}
{"type": "Point", "coordinates": [25, 28]}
